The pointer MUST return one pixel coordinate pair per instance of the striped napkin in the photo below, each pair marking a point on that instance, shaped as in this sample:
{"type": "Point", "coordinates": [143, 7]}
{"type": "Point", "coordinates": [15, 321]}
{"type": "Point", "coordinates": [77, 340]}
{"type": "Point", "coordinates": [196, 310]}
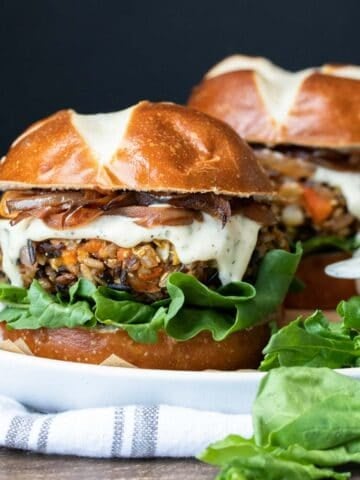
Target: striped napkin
{"type": "Point", "coordinates": [122, 432]}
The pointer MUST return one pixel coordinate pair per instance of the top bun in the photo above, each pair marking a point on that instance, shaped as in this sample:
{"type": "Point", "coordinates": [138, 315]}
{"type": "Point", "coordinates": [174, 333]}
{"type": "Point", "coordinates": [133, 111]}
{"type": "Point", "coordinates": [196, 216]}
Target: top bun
{"type": "Point", "coordinates": [317, 107]}
{"type": "Point", "coordinates": [147, 147]}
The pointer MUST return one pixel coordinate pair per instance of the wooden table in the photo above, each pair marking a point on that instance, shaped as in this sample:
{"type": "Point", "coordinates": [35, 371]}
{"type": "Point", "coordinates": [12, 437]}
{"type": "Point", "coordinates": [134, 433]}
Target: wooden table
{"type": "Point", "coordinates": [16, 465]}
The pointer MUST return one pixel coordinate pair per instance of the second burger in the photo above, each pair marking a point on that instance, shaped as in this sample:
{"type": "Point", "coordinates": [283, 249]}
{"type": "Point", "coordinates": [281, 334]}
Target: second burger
{"type": "Point", "coordinates": [305, 130]}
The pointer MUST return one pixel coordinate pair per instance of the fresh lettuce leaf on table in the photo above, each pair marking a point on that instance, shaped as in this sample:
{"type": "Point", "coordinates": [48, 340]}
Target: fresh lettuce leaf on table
{"type": "Point", "coordinates": [190, 309]}
{"type": "Point", "coordinates": [316, 342]}
{"type": "Point", "coordinates": [242, 459]}
{"type": "Point", "coordinates": [306, 421]}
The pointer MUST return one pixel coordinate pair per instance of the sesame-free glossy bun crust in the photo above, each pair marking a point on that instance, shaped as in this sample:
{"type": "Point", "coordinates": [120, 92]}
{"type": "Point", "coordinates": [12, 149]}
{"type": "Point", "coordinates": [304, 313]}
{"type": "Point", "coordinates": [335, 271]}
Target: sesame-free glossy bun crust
{"type": "Point", "coordinates": [317, 107]}
{"type": "Point", "coordinates": [240, 350]}
{"type": "Point", "coordinates": [148, 147]}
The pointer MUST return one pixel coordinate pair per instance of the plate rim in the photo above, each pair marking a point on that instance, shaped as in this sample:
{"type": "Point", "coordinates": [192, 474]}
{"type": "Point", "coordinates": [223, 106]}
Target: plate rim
{"type": "Point", "coordinates": [108, 370]}
{"type": "Point", "coordinates": [178, 375]}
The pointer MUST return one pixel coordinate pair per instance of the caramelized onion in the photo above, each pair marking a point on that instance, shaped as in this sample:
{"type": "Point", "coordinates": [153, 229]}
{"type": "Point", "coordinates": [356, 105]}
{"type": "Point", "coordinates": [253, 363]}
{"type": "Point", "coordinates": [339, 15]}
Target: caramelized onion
{"type": "Point", "coordinates": [73, 218]}
{"type": "Point", "coordinates": [71, 209]}
{"type": "Point", "coordinates": [154, 216]}
{"type": "Point", "coordinates": [333, 159]}
{"type": "Point", "coordinates": [285, 165]}
{"type": "Point", "coordinates": [55, 218]}
{"type": "Point", "coordinates": [19, 201]}
{"type": "Point", "coordinates": [297, 162]}
{"type": "Point", "coordinates": [215, 205]}
{"type": "Point", "coordinates": [40, 213]}
{"type": "Point", "coordinates": [260, 213]}
{"type": "Point", "coordinates": [27, 254]}
{"type": "Point", "coordinates": [30, 201]}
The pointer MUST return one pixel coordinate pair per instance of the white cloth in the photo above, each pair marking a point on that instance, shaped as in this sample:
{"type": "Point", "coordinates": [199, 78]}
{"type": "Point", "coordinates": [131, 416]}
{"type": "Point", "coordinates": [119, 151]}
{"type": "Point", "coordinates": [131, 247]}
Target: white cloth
{"type": "Point", "coordinates": [131, 431]}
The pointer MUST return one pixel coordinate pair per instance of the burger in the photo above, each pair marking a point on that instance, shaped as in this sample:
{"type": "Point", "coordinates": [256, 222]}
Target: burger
{"type": "Point", "coordinates": [144, 237]}
{"type": "Point", "coordinates": [305, 130]}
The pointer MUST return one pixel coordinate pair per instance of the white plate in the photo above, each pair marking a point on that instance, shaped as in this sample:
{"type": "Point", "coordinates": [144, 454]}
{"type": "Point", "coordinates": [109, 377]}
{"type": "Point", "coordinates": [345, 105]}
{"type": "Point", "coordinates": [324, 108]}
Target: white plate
{"type": "Point", "coordinates": [52, 385]}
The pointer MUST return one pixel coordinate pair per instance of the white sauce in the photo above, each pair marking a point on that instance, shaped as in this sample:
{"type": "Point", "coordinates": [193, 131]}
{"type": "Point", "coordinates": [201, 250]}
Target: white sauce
{"type": "Point", "coordinates": [278, 87]}
{"type": "Point", "coordinates": [349, 185]}
{"type": "Point", "coordinates": [103, 132]}
{"type": "Point", "coordinates": [356, 255]}
{"type": "Point", "coordinates": [231, 247]}
{"type": "Point", "coordinates": [347, 182]}
{"type": "Point", "coordinates": [345, 71]}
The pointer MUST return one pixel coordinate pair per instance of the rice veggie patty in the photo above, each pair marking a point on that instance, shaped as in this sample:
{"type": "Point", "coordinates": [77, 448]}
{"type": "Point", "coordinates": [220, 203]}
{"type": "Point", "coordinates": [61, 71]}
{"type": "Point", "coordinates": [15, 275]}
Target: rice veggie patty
{"type": "Point", "coordinates": [307, 207]}
{"type": "Point", "coordinates": [142, 270]}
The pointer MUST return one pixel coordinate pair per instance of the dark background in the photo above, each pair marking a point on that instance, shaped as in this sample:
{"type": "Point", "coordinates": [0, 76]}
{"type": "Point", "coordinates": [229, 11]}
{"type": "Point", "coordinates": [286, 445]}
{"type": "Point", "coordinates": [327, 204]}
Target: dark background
{"type": "Point", "coordinates": [104, 55]}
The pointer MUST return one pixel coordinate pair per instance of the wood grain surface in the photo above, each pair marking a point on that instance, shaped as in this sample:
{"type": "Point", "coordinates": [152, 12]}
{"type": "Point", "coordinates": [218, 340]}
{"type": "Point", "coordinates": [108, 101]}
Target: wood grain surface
{"type": "Point", "coordinates": [16, 465]}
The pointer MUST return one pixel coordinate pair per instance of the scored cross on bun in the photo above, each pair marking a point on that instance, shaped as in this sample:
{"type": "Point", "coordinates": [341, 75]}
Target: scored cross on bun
{"type": "Point", "coordinates": [147, 147]}
{"type": "Point", "coordinates": [305, 130]}
{"type": "Point", "coordinates": [316, 107]}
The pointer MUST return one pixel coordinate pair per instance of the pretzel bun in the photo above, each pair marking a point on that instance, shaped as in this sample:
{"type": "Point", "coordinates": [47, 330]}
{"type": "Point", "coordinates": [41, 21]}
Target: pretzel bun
{"type": "Point", "coordinates": [147, 147]}
{"type": "Point", "coordinates": [321, 291]}
{"type": "Point", "coordinates": [240, 350]}
{"type": "Point", "coordinates": [317, 107]}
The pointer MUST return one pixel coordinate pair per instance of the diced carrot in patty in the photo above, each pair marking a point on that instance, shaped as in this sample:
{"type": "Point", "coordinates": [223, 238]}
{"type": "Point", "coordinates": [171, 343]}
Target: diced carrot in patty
{"type": "Point", "coordinates": [122, 253]}
{"type": "Point", "coordinates": [317, 205]}
{"type": "Point", "coordinates": [69, 257]}
{"type": "Point", "coordinates": [150, 274]}
{"type": "Point", "coordinates": [93, 246]}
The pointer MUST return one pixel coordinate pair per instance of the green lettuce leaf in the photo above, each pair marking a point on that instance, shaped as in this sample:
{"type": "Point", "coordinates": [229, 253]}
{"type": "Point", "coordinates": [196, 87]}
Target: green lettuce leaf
{"type": "Point", "coordinates": [13, 295]}
{"type": "Point", "coordinates": [317, 342]}
{"type": "Point", "coordinates": [315, 408]}
{"type": "Point", "coordinates": [267, 467]}
{"type": "Point", "coordinates": [331, 242]}
{"type": "Point", "coordinates": [350, 312]}
{"type": "Point", "coordinates": [43, 310]}
{"type": "Point", "coordinates": [313, 342]}
{"type": "Point", "coordinates": [297, 285]}
{"type": "Point", "coordinates": [118, 309]}
{"type": "Point", "coordinates": [233, 307]}
{"type": "Point", "coordinates": [82, 289]}
{"type": "Point", "coordinates": [243, 459]}
{"type": "Point", "coordinates": [190, 309]}
{"type": "Point", "coordinates": [306, 421]}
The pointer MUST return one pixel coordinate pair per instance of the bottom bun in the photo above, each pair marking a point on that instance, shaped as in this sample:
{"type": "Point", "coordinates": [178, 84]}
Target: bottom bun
{"type": "Point", "coordinates": [240, 350]}
{"type": "Point", "coordinates": [321, 291]}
